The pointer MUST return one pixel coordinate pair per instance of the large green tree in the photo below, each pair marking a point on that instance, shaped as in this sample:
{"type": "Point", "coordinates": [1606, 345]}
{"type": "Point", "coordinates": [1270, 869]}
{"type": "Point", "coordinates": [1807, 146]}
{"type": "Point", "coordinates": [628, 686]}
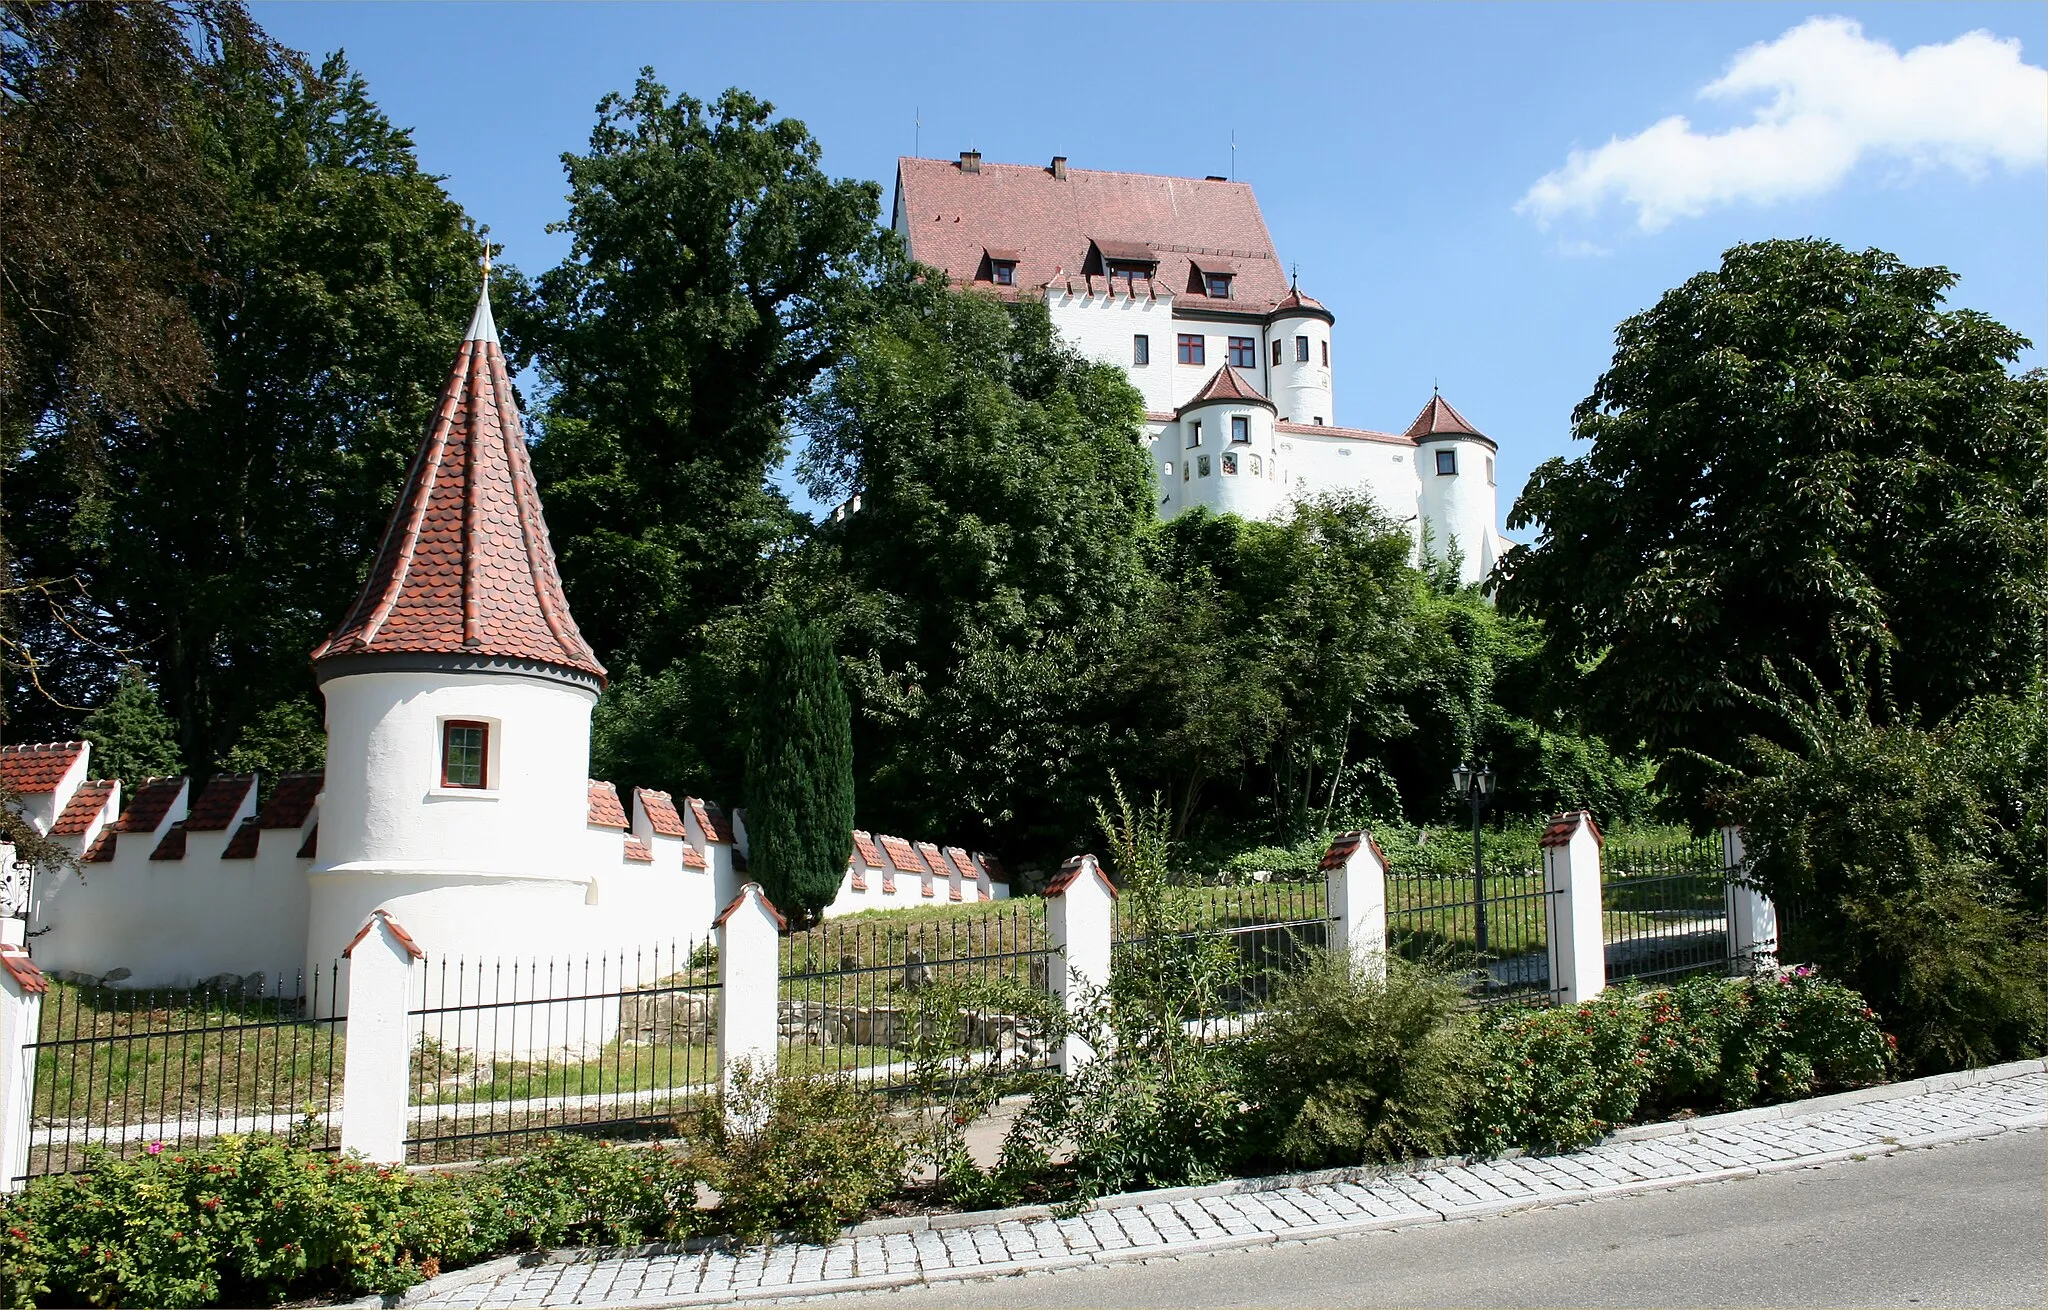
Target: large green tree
{"type": "Point", "coordinates": [227, 536]}
{"type": "Point", "coordinates": [713, 272]}
{"type": "Point", "coordinates": [1797, 454]}
{"type": "Point", "coordinates": [800, 771]}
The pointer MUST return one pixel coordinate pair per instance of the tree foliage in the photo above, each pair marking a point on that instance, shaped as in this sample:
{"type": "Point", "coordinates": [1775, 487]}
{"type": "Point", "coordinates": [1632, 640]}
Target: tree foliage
{"type": "Point", "coordinates": [132, 738]}
{"type": "Point", "coordinates": [800, 812]}
{"type": "Point", "coordinates": [1796, 454]}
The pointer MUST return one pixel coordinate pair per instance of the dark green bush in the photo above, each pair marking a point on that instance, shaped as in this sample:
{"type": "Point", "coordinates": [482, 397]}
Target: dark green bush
{"type": "Point", "coordinates": [1349, 1066]}
{"type": "Point", "coordinates": [571, 1190]}
{"type": "Point", "coordinates": [1559, 1078]}
{"type": "Point", "coordinates": [794, 1154]}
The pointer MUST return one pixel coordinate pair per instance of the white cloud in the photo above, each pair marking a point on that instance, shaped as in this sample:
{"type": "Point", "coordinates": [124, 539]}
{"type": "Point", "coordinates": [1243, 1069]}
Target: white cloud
{"type": "Point", "coordinates": [1834, 99]}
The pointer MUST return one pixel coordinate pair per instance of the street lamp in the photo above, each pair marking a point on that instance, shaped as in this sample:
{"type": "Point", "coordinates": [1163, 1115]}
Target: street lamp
{"type": "Point", "coordinates": [1474, 782]}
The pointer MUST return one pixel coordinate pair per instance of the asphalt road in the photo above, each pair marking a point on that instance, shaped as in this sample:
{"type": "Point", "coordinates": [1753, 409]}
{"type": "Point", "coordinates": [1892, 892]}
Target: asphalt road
{"type": "Point", "coordinates": [1961, 1225]}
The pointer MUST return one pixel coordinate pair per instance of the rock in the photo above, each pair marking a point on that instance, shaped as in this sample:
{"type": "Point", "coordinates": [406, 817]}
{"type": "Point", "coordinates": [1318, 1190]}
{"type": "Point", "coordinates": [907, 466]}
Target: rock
{"type": "Point", "coordinates": [115, 975]}
{"type": "Point", "coordinates": [917, 970]}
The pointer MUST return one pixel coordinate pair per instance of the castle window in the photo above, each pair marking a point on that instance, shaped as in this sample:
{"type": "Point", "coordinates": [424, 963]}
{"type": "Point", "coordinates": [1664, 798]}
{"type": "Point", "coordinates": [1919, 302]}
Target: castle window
{"type": "Point", "coordinates": [1141, 349]}
{"type": "Point", "coordinates": [1276, 352]}
{"type": "Point", "coordinates": [1244, 352]}
{"type": "Point", "coordinates": [1003, 272]}
{"type": "Point", "coordinates": [1319, 420]}
{"type": "Point", "coordinates": [1193, 348]}
{"type": "Point", "coordinates": [1230, 464]}
{"type": "Point", "coordinates": [1240, 429]}
{"type": "Point", "coordinates": [1203, 468]}
{"type": "Point", "coordinates": [1326, 354]}
{"type": "Point", "coordinates": [1219, 286]}
{"type": "Point", "coordinates": [1301, 350]}
{"type": "Point", "coordinates": [1489, 470]}
{"type": "Point", "coordinates": [1185, 470]}
{"type": "Point", "coordinates": [465, 746]}
{"type": "Point", "coordinates": [1447, 462]}
{"type": "Point", "coordinates": [1194, 433]}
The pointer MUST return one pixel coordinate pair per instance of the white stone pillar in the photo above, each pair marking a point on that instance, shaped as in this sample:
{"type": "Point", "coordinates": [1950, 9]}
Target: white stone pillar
{"type": "Point", "coordinates": [22, 986]}
{"type": "Point", "coordinates": [376, 1078]}
{"type": "Point", "coordinates": [749, 979]}
{"type": "Point", "coordinates": [1752, 918]}
{"type": "Point", "coordinates": [1571, 874]}
{"type": "Point", "coordinates": [1079, 909]}
{"type": "Point", "coordinates": [1355, 870]}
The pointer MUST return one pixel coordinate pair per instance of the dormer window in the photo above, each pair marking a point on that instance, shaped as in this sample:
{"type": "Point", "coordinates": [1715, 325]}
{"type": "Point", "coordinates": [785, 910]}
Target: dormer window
{"type": "Point", "coordinates": [1003, 272]}
{"type": "Point", "coordinates": [465, 754]}
{"type": "Point", "coordinates": [1218, 285]}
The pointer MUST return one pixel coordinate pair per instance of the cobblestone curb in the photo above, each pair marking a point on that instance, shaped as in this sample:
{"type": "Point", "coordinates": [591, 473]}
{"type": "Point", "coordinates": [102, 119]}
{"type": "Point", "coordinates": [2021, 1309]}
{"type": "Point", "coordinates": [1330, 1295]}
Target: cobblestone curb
{"type": "Point", "coordinates": [1253, 1212]}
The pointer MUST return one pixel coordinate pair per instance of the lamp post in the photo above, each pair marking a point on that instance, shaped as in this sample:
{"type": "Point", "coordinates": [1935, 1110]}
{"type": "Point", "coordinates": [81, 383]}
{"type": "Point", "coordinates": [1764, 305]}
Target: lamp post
{"type": "Point", "coordinates": [1475, 783]}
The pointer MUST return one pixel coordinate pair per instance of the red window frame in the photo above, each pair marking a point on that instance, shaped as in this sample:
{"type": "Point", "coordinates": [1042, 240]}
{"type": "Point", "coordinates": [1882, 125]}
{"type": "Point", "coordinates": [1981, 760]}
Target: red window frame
{"type": "Point", "coordinates": [1244, 352]}
{"type": "Point", "coordinates": [1192, 348]}
{"type": "Point", "coordinates": [483, 769]}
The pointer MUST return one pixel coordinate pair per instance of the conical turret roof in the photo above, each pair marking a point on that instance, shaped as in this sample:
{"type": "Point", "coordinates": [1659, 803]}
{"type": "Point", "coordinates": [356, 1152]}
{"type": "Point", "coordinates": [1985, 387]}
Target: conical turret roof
{"type": "Point", "coordinates": [465, 568]}
{"type": "Point", "coordinates": [1438, 419]}
{"type": "Point", "coordinates": [1227, 386]}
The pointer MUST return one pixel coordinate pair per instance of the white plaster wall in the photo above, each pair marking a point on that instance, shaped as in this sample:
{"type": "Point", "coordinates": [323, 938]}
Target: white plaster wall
{"type": "Point", "coordinates": [1101, 326]}
{"type": "Point", "coordinates": [1460, 506]}
{"type": "Point", "coordinates": [1381, 470]}
{"type": "Point", "coordinates": [1261, 497]}
{"type": "Point", "coordinates": [1301, 390]}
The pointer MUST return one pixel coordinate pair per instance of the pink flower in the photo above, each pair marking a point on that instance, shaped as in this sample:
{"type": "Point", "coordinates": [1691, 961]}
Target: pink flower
{"type": "Point", "coordinates": [156, 1148]}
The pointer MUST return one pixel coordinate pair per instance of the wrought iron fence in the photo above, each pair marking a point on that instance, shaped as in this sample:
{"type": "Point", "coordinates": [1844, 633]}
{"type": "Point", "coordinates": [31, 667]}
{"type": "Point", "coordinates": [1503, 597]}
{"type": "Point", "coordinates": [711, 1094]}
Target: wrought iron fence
{"type": "Point", "coordinates": [1494, 929]}
{"type": "Point", "coordinates": [613, 1044]}
{"type": "Point", "coordinates": [1664, 911]}
{"type": "Point", "coordinates": [902, 1000]}
{"type": "Point", "coordinates": [133, 1071]}
{"type": "Point", "coordinates": [1272, 927]}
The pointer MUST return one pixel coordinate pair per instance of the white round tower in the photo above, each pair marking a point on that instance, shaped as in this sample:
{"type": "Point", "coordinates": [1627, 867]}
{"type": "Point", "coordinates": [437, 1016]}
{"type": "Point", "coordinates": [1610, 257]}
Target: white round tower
{"type": "Point", "coordinates": [1454, 462]}
{"type": "Point", "coordinates": [459, 693]}
{"type": "Point", "coordinates": [1230, 461]}
{"type": "Point", "coordinates": [1298, 356]}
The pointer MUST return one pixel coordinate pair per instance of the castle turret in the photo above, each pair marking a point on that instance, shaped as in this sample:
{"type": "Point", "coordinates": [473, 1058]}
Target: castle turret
{"type": "Point", "coordinates": [1298, 358]}
{"type": "Point", "coordinates": [1454, 461]}
{"type": "Point", "coordinates": [1230, 462]}
{"type": "Point", "coordinates": [459, 693]}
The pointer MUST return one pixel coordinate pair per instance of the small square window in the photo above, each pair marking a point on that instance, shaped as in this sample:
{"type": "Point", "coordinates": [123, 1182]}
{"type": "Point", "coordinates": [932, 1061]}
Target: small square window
{"type": "Point", "coordinates": [1141, 349]}
{"type": "Point", "coordinates": [1240, 429]}
{"type": "Point", "coordinates": [1447, 462]}
{"type": "Point", "coordinates": [1194, 433]}
{"type": "Point", "coordinates": [1230, 464]}
{"type": "Point", "coordinates": [1203, 468]}
{"type": "Point", "coordinates": [465, 751]}
{"type": "Point", "coordinates": [1219, 286]}
{"type": "Point", "coordinates": [1244, 352]}
{"type": "Point", "coordinates": [1301, 350]}
{"type": "Point", "coordinates": [1004, 272]}
{"type": "Point", "coordinates": [1193, 348]}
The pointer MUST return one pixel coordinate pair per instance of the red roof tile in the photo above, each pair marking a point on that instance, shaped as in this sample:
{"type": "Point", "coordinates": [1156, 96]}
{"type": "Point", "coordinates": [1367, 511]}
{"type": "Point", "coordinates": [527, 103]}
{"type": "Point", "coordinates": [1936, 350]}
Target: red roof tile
{"type": "Point", "coordinates": [1438, 419]}
{"type": "Point", "coordinates": [465, 567]}
{"type": "Point", "coordinates": [218, 800]}
{"type": "Point", "coordinates": [901, 857]}
{"type": "Point", "coordinates": [83, 807]}
{"type": "Point", "coordinates": [740, 899]}
{"type": "Point", "coordinates": [38, 766]}
{"type": "Point", "coordinates": [1294, 300]}
{"type": "Point", "coordinates": [994, 867]}
{"type": "Point", "coordinates": [711, 819]}
{"type": "Point", "coordinates": [25, 972]}
{"type": "Point", "coordinates": [1345, 844]}
{"type": "Point", "coordinates": [935, 860]}
{"type": "Point", "coordinates": [604, 808]}
{"type": "Point", "coordinates": [398, 933]}
{"type": "Point", "coordinates": [639, 851]}
{"type": "Point", "coordinates": [1227, 386]}
{"type": "Point", "coordinates": [694, 858]}
{"type": "Point", "coordinates": [1561, 828]}
{"type": "Point", "coordinates": [242, 846]}
{"type": "Point", "coordinates": [292, 802]}
{"type": "Point", "coordinates": [172, 847]}
{"type": "Point", "coordinates": [870, 854]}
{"type": "Point", "coordinates": [660, 809]}
{"type": "Point", "coordinates": [1288, 428]}
{"type": "Point", "coordinates": [102, 848]}
{"type": "Point", "coordinates": [964, 863]}
{"type": "Point", "coordinates": [1066, 225]}
{"type": "Point", "coordinates": [1070, 873]}
{"type": "Point", "coordinates": [149, 803]}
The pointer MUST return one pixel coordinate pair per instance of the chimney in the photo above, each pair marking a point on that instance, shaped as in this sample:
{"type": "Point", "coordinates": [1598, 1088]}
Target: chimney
{"type": "Point", "coordinates": [970, 161]}
{"type": "Point", "coordinates": [1059, 168]}
{"type": "Point", "coordinates": [1214, 178]}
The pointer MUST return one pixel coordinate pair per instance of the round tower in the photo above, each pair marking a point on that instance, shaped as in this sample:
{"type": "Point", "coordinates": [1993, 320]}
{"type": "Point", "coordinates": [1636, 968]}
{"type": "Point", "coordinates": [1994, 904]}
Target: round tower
{"type": "Point", "coordinates": [1230, 459]}
{"type": "Point", "coordinates": [1454, 462]}
{"type": "Point", "coordinates": [459, 693]}
{"type": "Point", "coordinates": [1298, 355]}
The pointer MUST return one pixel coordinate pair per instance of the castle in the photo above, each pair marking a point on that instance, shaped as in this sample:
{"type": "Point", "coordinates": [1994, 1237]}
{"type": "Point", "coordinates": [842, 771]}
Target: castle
{"type": "Point", "coordinates": [1176, 281]}
{"type": "Point", "coordinates": [455, 799]}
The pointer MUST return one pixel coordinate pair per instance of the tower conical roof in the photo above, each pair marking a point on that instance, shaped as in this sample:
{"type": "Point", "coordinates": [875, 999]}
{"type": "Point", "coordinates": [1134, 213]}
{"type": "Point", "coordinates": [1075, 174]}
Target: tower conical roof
{"type": "Point", "coordinates": [1226, 386]}
{"type": "Point", "coordinates": [1438, 419]}
{"type": "Point", "coordinates": [465, 568]}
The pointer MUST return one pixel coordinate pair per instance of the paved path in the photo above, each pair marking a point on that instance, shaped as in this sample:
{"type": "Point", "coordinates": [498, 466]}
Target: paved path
{"type": "Point", "coordinates": [1243, 1214]}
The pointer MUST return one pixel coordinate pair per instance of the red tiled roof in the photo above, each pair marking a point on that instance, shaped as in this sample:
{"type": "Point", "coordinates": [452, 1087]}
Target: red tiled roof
{"type": "Point", "coordinates": [870, 854]}
{"type": "Point", "coordinates": [398, 932]}
{"type": "Point", "coordinates": [901, 857]}
{"type": "Point", "coordinates": [964, 863]}
{"type": "Point", "coordinates": [1438, 419]}
{"type": "Point", "coordinates": [38, 766]}
{"type": "Point", "coordinates": [1345, 844]}
{"type": "Point", "coordinates": [83, 807]}
{"type": "Point", "coordinates": [242, 846]}
{"type": "Point", "coordinates": [639, 851]}
{"type": "Point", "coordinates": [693, 858]}
{"type": "Point", "coordinates": [936, 862]}
{"type": "Point", "coordinates": [293, 800]}
{"type": "Point", "coordinates": [604, 808]}
{"type": "Point", "coordinates": [311, 846]}
{"type": "Point", "coordinates": [711, 819]}
{"type": "Point", "coordinates": [1288, 428]}
{"type": "Point", "coordinates": [148, 805]}
{"type": "Point", "coordinates": [1225, 387]}
{"type": "Point", "coordinates": [1057, 225]}
{"type": "Point", "coordinates": [102, 848]}
{"type": "Point", "coordinates": [218, 800]}
{"type": "Point", "coordinates": [465, 567]}
{"type": "Point", "coordinates": [172, 847]}
{"type": "Point", "coordinates": [994, 867]}
{"type": "Point", "coordinates": [740, 899]}
{"type": "Point", "coordinates": [26, 973]}
{"type": "Point", "coordinates": [1294, 300]}
{"type": "Point", "coordinates": [1561, 828]}
{"type": "Point", "coordinates": [1071, 872]}
{"type": "Point", "coordinates": [853, 871]}
{"type": "Point", "coordinates": [660, 809]}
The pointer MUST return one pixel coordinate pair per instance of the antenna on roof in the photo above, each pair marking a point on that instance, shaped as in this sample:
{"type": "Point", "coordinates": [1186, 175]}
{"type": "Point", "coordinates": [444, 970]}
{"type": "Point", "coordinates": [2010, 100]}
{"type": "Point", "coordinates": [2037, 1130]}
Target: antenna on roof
{"type": "Point", "coordinates": [1233, 154]}
{"type": "Point", "coordinates": [917, 134]}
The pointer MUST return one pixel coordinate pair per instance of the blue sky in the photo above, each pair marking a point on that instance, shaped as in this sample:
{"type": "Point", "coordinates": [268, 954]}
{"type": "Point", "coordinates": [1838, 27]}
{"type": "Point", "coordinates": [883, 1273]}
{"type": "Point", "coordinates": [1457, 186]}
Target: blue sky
{"type": "Point", "coordinates": [1416, 161]}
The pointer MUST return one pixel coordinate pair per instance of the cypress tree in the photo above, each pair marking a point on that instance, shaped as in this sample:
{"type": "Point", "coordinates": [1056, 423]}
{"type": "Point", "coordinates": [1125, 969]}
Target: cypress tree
{"type": "Point", "coordinates": [132, 738]}
{"type": "Point", "coordinates": [799, 771]}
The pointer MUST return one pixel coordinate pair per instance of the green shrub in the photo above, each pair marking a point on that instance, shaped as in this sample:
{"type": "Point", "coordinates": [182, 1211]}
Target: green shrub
{"type": "Point", "coordinates": [794, 1154]}
{"type": "Point", "coordinates": [1348, 1066]}
{"type": "Point", "coordinates": [571, 1190]}
{"type": "Point", "coordinates": [1559, 1078]}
